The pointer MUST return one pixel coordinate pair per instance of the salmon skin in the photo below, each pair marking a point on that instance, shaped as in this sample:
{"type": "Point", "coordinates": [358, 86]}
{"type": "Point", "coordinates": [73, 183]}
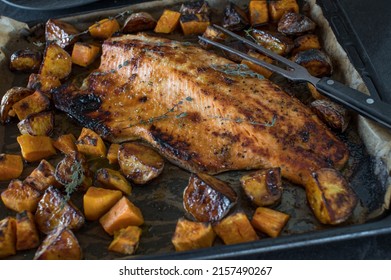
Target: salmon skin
{"type": "Point", "coordinates": [199, 110]}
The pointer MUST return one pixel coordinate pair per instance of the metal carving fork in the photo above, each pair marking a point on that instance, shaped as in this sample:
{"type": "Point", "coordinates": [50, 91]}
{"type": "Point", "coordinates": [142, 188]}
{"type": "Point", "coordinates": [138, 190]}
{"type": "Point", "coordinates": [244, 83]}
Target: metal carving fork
{"type": "Point", "coordinates": [372, 108]}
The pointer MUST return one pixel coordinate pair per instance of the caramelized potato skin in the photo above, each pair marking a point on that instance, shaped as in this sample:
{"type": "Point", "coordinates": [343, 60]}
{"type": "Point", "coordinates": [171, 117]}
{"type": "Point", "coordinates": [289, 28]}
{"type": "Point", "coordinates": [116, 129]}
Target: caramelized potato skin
{"type": "Point", "coordinates": [60, 32]}
{"type": "Point", "coordinates": [37, 124]}
{"type": "Point", "coordinates": [27, 61]}
{"type": "Point", "coordinates": [137, 22]}
{"type": "Point", "coordinates": [56, 62]}
{"type": "Point", "coordinates": [235, 18]}
{"type": "Point", "coordinates": [295, 24]}
{"type": "Point", "coordinates": [20, 196]}
{"type": "Point", "coordinates": [276, 42]}
{"type": "Point", "coordinates": [315, 61]}
{"type": "Point", "coordinates": [12, 96]}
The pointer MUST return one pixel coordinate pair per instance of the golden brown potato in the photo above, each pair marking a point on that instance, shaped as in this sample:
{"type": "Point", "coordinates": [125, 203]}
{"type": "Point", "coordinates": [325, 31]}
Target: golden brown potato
{"type": "Point", "coordinates": [27, 236]}
{"type": "Point", "coordinates": [20, 197]}
{"type": "Point", "coordinates": [257, 68]}
{"type": "Point", "coordinates": [7, 237]}
{"type": "Point", "coordinates": [98, 201]}
{"type": "Point", "coordinates": [334, 115]}
{"type": "Point", "coordinates": [235, 18]}
{"type": "Point", "coordinates": [112, 153]}
{"type": "Point", "coordinates": [35, 148]}
{"type": "Point", "coordinates": [60, 244]}
{"type": "Point", "coordinates": [259, 12]}
{"type": "Point", "coordinates": [194, 23]}
{"type": "Point", "coordinates": [213, 34]}
{"type": "Point", "coordinates": [295, 24]}
{"type": "Point", "coordinates": [84, 54]}
{"type": "Point", "coordinates": [269, 221]}
{"type": "Point", "coordinates": [104, 29]}
{"type": "Point", "coordinates": [8, 100]}
{"type": "Point", "coordinates": [27, 61]}
{"type": "Point", "coordinates": [37, 124]}
{"type": "Point", "coordinates": [330, 196]}
{"type": "Point", "coordinates": [191, 235]}
{"type": "Point", "coordinates": [276, 42]}
{"type": "Point", "coordinates": [126, 240]}
{"type": "Point", "coordinates": [42, 177]}
{"type": "Point", "coordinates": [34, 103]}
{"type": "Point", "coordinates": [54, 211]}
{"type": "Point", "coordinates": [315, 61]}
{"type": "Point", "coordinates": [91, 144]}
{"type": "Point", "coordinates": [235, 228]}
{"type": "Point", "coordinates": [112, 179]}
{"type": "Point", "coordinates": [139, 163]}
{"type": "Point", "coordinates": [11, 166]}
{"type": "Point", "coordinates": [56, 62]}
{"type": "Point", "coordinates": [207, 198]}
{"type": "Point", "coordinates": [137, 22]}
{"type": "Point", "coordinates": [167, 22]}
{"type": "Point", "coordinates": [66, 143]}
{"type": "Point", "coordinates": [277, 8]}
{"type": "Point", "coordinates": [43, 83]}
{"type": "Point", "coordinates": [263, 187]}
{"type": "Point", "coordinates": [306, 42]}
{"type": "Point", "coordinates": [60, 32]}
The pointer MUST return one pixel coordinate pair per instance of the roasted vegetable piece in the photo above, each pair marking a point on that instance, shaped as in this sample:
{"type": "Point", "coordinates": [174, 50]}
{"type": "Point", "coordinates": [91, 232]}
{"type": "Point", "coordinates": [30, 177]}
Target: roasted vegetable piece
{"type": "Point", "coordinates": [112, 153]}
{"type": "Point", "coordinates": [66, 143]}
{"type": "Point", "coordinates": [54, 211]}
{"type": "Point", "coordinates": [43, 83]}
{"type": "Point", "coordinates": [11, 97]}
{"type": "Point", "coordinates": [295, 24]}
{"type": "Point", "coordinates": [37, 124]}
{"type": "Point", "coordinates": [168, 22]}
{"type": "Point", "coordinates": [259, 12]}
{"type": "Point", "coordinates": [84, 54]}
{"type": "Point", "coordinates": [269, 221]}
{"type": "Point", "coordinates": [27, 236]}
{"type": "Point", "coordinates": [257, 68]}
{"type": "Point", "coordinates": [315, 93]}
{"type": "Point", "coordinates": [139, 163]}
{"type": "Point", "coordinates": [234, 17]}
{"type": "Point", "coordinates": [276, 42]}
{"type": "Point", "coordinates": [56, 62]}
{"type": "Point", "coordinates": [277, 8]}
{"type": "Point", "coordinates": [112, 179]}
{"type": "Point", "coordinates": [19, 196]}
{"type": "Point", "coordinates": [123, 214]}
{"type": "Point", "coordinates": [194, 23]}
{"type": "Point", "coordinates": [42, 177]}
{"type": "Point", "coordinates": [137, 22]}
{"type": "Point", "coordinates": [90, 143]}
{"type": "Point", "coordinates": [212, 33]}
{"type": "Point", "coordinates": [27, 61]}
{"type": "Point", "coordinates": [333, 114]}
{"type": "Point", "coordinates": [98, 201]}
{"type": "Point", "coordinates": [60, 32]}
{"type": "Point", "coordinates": [11, 166]}
{"type": "Point", "coordinates": [35, 148]}
{"type": "Point", "coordinates": [60, 244]}
{"type": "Point", "coordinates": [207, 198]}
{"type": "Point", "coordinates": [235, 228]}
{"type": "Point", "coordinates": [315, 61]}
{"type": "Point", "coordinates": [263, 187]}
{"type": "Point", "coordinates": [7, 237]}
{"type": "Point", "coordinates": [197, 7]}
{"type": "Point", "coordinates": [330, 196]}
{"type": "Point", "coordinates": [126, 240]}
{"type": "Point", "coordinates": [34, 103]}
{"type": "Point", "coordinates": [306, 42]}
{"type": "Point", "coordinates": [104, 29]}
{"type": "Point", "coordinates": [191, 235]}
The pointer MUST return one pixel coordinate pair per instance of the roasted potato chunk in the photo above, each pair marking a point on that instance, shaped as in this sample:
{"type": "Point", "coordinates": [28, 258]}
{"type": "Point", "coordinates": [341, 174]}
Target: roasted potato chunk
{"type": "Point", "coordinates": [20, 197]}
{"type": "Point", "coordinates": [11, 166]}
{"type": "Point", "coordinates": [330, 196]}
{"type": "Point", "coordinates": [139, 163]}
{"type": "Point", "coordinates": [315, 61]}
{"type": "Point", "coordinates": [35, 148]}
{"type": "Point", "coordinates": [60, 244]}
{"type": "Point", "coordinates": [197, 7]}
{"type": "Point", "coordinates": [167, 22]}
{"type": "Point", "coordinates": [11, 97]}
{"type": "Point", "coordinates": [235, 18]}
{"type": "Point", "coordinates": [126, 240]}
{"type": "Point", "coordinates": [34, 103]}
{"type": "Point", "coordinates": [66, 143]}
{"type": "Point", "coordinates": [306, 42]}
{"type": "Point", "coordinates": [269, 221]}
{"type": "Point", "coordinates": [84, 54]}
{"type": "Point", "coordinates": [27, 61]}
{"type": "Point", "coordinates": [295, 24]}
{"type": "Point", "coordinates": [60, 32]}
{"type": "Point", "coordinates": [42, 177]}
{"type": "Point", "coordinates": [257, 68]}
{"type": "Point", "coordinates": [56, 62]}
{"type": "Point", "coordinates": [277, 8]}
{"type": "Point", "coordinates": [235, 228]}
{"type": "Point", "coordinates": [90, 143]}
{"type": "Point", "coordinates": [194, 23]}
{"type": "Point", "coordinates": [38, 124]}
{"type": "Point", "coordinates": [112, 179]}
{"type": "Point", "coordinates": [43, 83]}
{"type": "Point", "coordinates": [191, 235]}
{"type": "Point", "coordinates": [214, 34]}
{"type": "Point", "coordinates": [259, 12]}
{"type": "Point", "coordinates": [104, 29]}
{"type": "Point", "coordinates": [334, 115]}
{"type": "Point", "coordinates": [264, 187]}
{"type": "Point", "coordinates": [276, 42]}
{"type": "Point", "coordinates": [112, 153]}
{"type": "Point", "coordinates": [7, 237]}
{"type": "Point", "coordinates": [27, 236]}
{"type": "Point", "coordinates": [207, 198]}
{"type": "Point", "coordinates": [54, 211]}
{"type": "Point", "coordinates": [137, 22]}
{"type": "Point", "coordinates": [98, 201]}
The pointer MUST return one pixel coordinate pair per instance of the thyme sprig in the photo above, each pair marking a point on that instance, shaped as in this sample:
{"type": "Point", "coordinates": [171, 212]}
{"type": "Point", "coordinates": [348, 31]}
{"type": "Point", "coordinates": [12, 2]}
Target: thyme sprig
{"type": "Point", "coordinates": [240, 120]}
{"type": "Point", "coordinates": [249, 34]}
{"type": "Point", "coordinates": [237, 70]}
{"type": "Point", "coordinates": [77, 178]}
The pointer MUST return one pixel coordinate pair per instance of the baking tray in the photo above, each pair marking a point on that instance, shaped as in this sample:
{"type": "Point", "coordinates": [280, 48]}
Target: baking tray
{"type": "Point", "coordinates": [43, 5]}
{"type": "Point", "coordinates": [161, 200]}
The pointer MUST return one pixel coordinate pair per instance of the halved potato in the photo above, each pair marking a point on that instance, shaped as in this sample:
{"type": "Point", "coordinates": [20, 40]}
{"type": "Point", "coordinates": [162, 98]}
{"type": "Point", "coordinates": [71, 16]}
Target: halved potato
{"type": "Point", "coordinates": [274, 41]}
{"type": "Point", "coordinates": [315, 61]}
{"type": "Point", "coordinates": [137, 22]}
{"type": "Point", "coordinates": [235, 18]}
{"type": "Point", "coordinates": [112, 179]}
{"type": "Point", "coordinates": [334, 115]}
{"type": "Point", "coordinates": [295, 24]}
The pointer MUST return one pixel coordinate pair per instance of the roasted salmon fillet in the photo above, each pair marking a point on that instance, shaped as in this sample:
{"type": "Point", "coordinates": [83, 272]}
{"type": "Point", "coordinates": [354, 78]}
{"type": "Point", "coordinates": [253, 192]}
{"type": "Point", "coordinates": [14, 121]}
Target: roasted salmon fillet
{"type": "Point", "coordinates": [199, 110]}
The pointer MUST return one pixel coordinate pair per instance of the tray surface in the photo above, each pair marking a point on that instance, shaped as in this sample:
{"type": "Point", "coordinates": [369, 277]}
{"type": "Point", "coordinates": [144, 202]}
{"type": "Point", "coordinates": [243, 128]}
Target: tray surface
{"type": "Point", "coordinates": [47, 5]}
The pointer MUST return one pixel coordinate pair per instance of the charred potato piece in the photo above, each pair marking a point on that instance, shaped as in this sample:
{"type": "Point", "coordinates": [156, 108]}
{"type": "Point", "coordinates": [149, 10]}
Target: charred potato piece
{"type": "Point", "coordinates": [269, 221]}
{"type": "Point", "coordinates": [38, 124]}
{"type": "Point", "coordinates": [235, 18]}
{"type": "Point", "coordinates": [295, 24]}
{"type": "Point", "coordinates": [66, 143]}
{"type": "Point", "coordinates": [20, 197]}
{"type": "Point", "coordinates": [259, 12]}
{"type": "Point", "coordinates": [315, 61]}
{"type": "Point", "coordinates": [194, 23]}
{"type": "Point", "coordinates": [43, 83]}
{"type": "Point", "coordinates": [56, 62]}
{"type": "Point", "coordinates": [212, 33]}
{"type": "Point", "coordinates": [42, 177]}
{"type": "Point", "coordinates": [112, 179]}
{"type": "Point", "coordinates": [264, 187]}
{"type": "Point", "coordinates": [104, 29]}
{"type": "Point", "coordinates": [168, 22]}
{"type": "Point", "coordinates": [315, 93]}
{"type": "Point", "coordinates": [60, 244]}
{"type": "Point", "coordinates": [235, 229]}
{"type": "Point", "coordinates": [60, 32]}
{"type": "Point", "coordinates": [98, 201]}
{"type": "Point", "coordinates": [139, 163]}
{"type": "Point", "coordinates": [257, 68]}
{"type": "Point", "coordinates": [126, 240]}
{"type": "Point", "coordinates": [54, 211]}
{"type": "Point", "coordinates": [34, 103]}
{"type": "Point", "coordinates": [331, 113]}
{"type": "Point", "coordinates": [191, 235]}
{"type": "Point", "coordinates": [27, 61]}
{"type": "Point", "coordinates": [138, 22]}
{"type": "Point", "coordinates": [306, 42]}
{"type": "Point", "coordinates": [7, 237]}
{"type": "Point", "coordinates": [276, 42]}
{"type": "Point", "coordinates": [11, 97]}
{"type": "Point", "coordinates": [197, 7]}
{"type": "Point", "coordinates": [35, 148]}
{"type": "Point", "coordinates": [277, 8]}
{"type": "Point", "coordinates": [207, 198]}
{"type": "Point", "coordinates": [330, 196]}
{"type": "Point", "coordinates": [90, 143]}
{"type": "Point", "coordinates": [27, 236]}
{"type": "Point", "coordinates": [11, 166]}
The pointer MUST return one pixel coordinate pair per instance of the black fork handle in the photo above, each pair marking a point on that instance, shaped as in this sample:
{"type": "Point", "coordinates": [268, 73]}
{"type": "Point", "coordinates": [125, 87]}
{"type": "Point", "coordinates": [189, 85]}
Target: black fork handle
{"type": "Point", "coordinates": [355, 100]}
